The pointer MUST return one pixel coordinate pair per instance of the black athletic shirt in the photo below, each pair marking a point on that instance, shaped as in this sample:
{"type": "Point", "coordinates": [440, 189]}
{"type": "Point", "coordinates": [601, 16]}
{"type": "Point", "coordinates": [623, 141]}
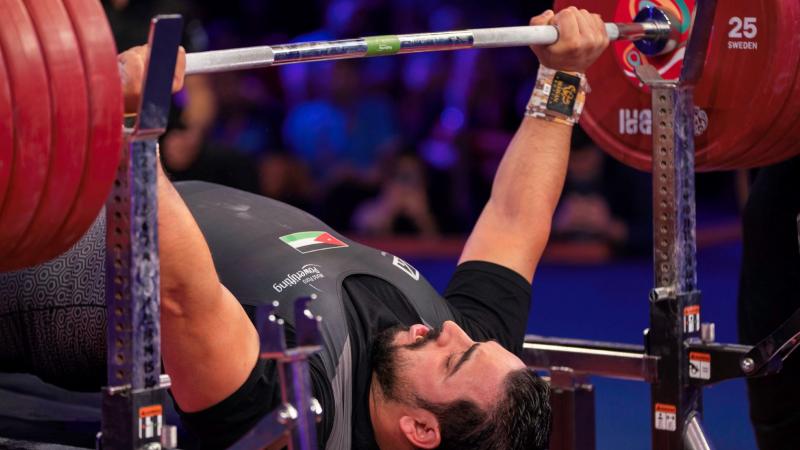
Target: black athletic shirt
{"type": "Point", "coordinates": [488, 301]}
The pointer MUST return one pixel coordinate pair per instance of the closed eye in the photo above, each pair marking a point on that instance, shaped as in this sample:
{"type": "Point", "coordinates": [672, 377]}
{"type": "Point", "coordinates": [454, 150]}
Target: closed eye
{"type": "Point", "coordinates": [449, 361]}
{"type": "Point", "coordinates": [464, 358]}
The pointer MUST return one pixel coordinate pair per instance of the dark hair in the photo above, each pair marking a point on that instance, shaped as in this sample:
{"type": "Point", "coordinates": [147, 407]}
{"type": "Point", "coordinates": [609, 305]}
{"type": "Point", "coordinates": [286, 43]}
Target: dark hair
{"type": "Point", "coordinates": [519, 420]}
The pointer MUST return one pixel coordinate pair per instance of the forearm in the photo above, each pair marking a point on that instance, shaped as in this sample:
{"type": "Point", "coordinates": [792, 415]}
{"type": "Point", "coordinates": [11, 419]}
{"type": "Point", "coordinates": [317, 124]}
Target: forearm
{"type": "Point", "coordinates": [515, 224]}
{"type": "Point", "coordinates": [187, 269]}
{"type": "Point", "coordinates": [531, 175]}
{"type": "Point", "coordinates": [209, 344]}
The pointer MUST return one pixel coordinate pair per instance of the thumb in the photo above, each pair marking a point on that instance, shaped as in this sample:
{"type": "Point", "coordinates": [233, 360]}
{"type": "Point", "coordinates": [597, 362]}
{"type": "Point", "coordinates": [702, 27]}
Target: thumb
{"type": "Point", "coordinates": [543, 18]}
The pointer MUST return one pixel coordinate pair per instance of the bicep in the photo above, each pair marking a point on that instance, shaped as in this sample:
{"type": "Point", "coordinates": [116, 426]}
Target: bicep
{"type": "Point", "coordinates": [209, 347]}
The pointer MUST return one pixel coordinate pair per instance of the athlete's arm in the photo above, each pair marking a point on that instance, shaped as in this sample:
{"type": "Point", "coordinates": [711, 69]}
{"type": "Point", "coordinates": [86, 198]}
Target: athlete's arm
{"type": "Point", "coordinates": [515, 224]}
{"type": "Point", "coordinates": [209, 345]}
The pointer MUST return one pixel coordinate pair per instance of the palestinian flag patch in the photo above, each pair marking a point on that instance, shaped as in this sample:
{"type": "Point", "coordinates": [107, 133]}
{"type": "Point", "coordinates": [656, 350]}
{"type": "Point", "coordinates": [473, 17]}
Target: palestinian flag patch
{"type": "Point", "coordinates": [312, 241]}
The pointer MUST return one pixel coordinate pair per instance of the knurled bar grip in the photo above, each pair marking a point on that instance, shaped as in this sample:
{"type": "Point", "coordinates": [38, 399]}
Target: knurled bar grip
{"type": "Point", "coordinates": [265, 56]}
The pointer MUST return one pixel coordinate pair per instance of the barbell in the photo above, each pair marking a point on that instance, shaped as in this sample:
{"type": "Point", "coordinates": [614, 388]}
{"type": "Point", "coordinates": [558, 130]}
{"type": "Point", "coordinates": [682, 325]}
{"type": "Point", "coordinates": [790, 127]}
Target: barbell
{"type": "Point", "coordinates": [61, 99]}
{"type": "Point", "coordinates": [653, 34]}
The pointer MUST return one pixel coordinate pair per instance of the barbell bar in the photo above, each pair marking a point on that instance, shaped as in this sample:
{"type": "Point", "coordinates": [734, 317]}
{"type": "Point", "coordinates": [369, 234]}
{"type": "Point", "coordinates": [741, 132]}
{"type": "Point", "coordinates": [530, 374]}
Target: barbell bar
{"type": "Point", "coordinates": [657, 33]}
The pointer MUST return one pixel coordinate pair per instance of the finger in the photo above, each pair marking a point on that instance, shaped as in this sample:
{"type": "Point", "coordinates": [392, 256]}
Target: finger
{"type": "Point", "coordinates": [591, 35]}
{"type": "Point", "coordinates": [568, 28]}
{"type": "Point", "coordinates": [597, 28]}
{"type": "Point", "coordinates": [599, 24]}
{"type": "Point", "coordinates": [180, 68]}
{"type": "Point", "coordinates": [543, 18]}
{"type": "Point", "coordinates": [131, 64]}
{"type": "Point", "coordinates": [597, 36]}
{"type": "Point", "coordinates": [602, 26]}
{"type": "Point", "coordinates": [586, 25]}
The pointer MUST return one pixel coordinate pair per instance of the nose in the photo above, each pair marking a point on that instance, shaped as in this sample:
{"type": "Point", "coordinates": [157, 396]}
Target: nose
{"type": "Point", "coordinates": [452, 334]}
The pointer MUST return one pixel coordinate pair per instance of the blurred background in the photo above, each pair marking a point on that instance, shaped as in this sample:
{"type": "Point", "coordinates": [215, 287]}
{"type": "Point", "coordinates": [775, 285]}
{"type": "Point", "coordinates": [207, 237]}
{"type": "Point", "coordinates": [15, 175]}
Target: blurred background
{"type": "Point", "coordinates": [385, 148]}
{"type": "Point", "coordinates": [400, 152]}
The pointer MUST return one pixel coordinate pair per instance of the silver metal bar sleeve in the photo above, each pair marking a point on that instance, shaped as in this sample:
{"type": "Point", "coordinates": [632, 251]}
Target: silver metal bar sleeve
{"type": "Point", "coordinates": [636, 31]}
{"type": "Point", "coordinates": [612, 29]}
{"type": "Point", "coordinates": [229, 60]}
{"type": "Point", "coordinates": [515, 36]}
{"type": "Point", "coordinates": [546, 35]}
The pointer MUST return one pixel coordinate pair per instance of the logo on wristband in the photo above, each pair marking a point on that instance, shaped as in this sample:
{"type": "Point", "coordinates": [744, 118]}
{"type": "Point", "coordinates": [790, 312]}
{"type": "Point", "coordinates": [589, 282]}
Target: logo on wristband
{"type": "Point", "coordinates": [563, 93]}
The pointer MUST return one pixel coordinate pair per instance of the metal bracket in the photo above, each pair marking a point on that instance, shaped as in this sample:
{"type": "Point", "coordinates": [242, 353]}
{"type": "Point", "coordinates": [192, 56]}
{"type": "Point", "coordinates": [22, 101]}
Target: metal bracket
{"type": "Point", "coordinates": [270, 330]}
{"type": "Point", "coordinates": [697, 47]}
{"type": "Point", "coordinates": [721, 361]}
{"type": "Point", "coordinates": [768, 355]}
{"type": "Point", "coordinates": [674, 247]}
{"type": "Point", "coordinates": [622, 361]}
{"type": "Point", "coordinates": [676, 403]}
{"type": "Point", "coordinates": [572, 400]}
{"type": "Point", "coordinates": [133, 401]}
{"type": "Point", "coordinates": [674, 302]}
{"type": "Point", "coordinates": [296, 419]}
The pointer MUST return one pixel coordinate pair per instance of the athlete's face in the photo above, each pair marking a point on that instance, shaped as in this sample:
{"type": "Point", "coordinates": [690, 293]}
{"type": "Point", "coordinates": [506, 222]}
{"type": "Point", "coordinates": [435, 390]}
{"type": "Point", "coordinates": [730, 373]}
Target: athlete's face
{"type": "Point", "coordinates": [441, 366]}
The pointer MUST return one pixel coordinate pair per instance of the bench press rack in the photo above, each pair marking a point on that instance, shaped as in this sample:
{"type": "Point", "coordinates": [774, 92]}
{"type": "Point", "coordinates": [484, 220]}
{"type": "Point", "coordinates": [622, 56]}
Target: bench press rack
{"type": "Point", "coordinates": [676, 358]}
{"type": "Point", "coordinates": [679, 356]}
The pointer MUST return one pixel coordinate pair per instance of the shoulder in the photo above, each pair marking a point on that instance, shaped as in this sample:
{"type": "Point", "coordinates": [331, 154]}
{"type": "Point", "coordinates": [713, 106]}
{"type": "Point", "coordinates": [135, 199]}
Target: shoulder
{"type": "Point", "coordinates": [471, 273]}
{"type": "Point", "coordinates": [491, 302]}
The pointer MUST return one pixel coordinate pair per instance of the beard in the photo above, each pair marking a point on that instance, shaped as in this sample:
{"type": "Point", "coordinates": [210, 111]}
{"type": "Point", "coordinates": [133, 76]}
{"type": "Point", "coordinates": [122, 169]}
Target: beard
{"type": "Point", "coordinates": [388, 362]}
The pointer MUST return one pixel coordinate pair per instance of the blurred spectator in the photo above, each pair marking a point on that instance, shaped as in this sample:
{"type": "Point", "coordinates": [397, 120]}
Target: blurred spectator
{"type": "Point", "coordinates": [344, 128]}
{"type": "Point", "coordinates": [402, 205]}
{"type": "Point", "coordinates": [598, 206]}
{"type": "Point", "coordinates": [130, 19]}
{"type": "Point", "coordinates": [188, 154]}
{"type": "Point", "coordinates": [338, 201]}
{"type": "Point", "coordinates": [283, 177]}
{"type": "Point", "coordinates": [334, 121]}
{"type": "Point", "coordinates": [584, 212]}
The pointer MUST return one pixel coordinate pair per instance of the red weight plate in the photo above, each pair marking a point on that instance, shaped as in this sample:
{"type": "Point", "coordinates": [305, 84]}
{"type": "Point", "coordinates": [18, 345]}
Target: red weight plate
{"type": "Point", "coordinates": [784, 143]}
{"type": "Point", "coordinates": [6, 130]}
{"type": "Point", "coordinates": [746, 28]}
{"type": "Point", "coordinates": [736, 92]}
{"type": "Point", "coordinates": [786, 148]}
{"type": "Point", "coordinates": [99, 55]}
{"type": "Point", "coordinates": [69, 99]}
{"type": "Point", "coordinates": [731, 96]}
{"type": "Point", "coordinates": [617, 113]}
{"type": "Point", "coordinates": [31, 102]}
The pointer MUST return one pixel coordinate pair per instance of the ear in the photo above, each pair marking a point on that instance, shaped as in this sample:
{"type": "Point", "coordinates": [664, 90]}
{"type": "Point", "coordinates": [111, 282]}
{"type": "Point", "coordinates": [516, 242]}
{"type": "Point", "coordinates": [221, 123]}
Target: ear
{"type": "Point", "coordinates": [421, 429]}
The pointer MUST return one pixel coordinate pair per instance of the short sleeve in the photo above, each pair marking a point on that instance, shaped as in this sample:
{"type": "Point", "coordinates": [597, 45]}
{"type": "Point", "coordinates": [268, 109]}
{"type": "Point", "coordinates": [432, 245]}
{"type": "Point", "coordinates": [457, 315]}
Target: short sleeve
{"type": "Point", "coordinates": [490, 302]}
{"type": "Point", "coordinates": [221, 425]}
